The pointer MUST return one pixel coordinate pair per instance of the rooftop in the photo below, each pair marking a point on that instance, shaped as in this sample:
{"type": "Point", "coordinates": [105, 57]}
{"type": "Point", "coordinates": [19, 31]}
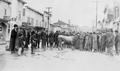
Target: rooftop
{"type": "Point", "coordinates": [22, 1]}
{"type": "Point", "coordinates": [34, 10]}
{"type": "Point", "coordinates": [6, 1]}
{"type": "Point", "coordinates": [47, 13]}
{"type": "Point", "coordinates": [60, 23]}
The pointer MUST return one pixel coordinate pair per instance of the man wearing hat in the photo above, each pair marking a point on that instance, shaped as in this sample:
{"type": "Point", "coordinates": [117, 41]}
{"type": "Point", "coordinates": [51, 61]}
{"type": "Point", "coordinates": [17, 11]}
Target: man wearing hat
{"type": "Point", "coordinates": [117, 42]}
{"type": "Point", "coordinates": [13, 38]}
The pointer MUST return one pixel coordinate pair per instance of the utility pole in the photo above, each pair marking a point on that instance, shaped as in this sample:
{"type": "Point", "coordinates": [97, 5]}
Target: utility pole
{"type": "Point", "coordinates": [96, 2]}
{"type": "Point", "coordinates": [49, 15]}
{"type": "Point", "coordinates": [96, 13]}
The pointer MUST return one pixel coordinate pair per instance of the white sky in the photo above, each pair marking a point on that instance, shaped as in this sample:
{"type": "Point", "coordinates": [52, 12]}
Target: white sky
{"type": "Point", "coordinates": [80, 12]}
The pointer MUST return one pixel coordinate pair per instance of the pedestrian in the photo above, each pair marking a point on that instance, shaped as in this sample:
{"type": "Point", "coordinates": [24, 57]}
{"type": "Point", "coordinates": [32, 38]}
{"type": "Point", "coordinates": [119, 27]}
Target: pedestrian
{"type": "Point", "coordinates": [27, 39]}
{"type": "Point", "coordinates": [95, 44]}
{"type": "Point", "coordinates": [33, 41]}
{"type": "Point", "coordinates": [38, 39]}
{"type": "Point", "coordinates": [103, 40]}
{"type": "Point", "coordinates": [43, 37]}
{"type": "Point", "coordinates": [13, 38]}
{"type": "Point", "coordinates": [21, 42]}
{"type": "Point", "coordinates": [88, 42]}
{"type": "Point", "coordinates": [110, 42]}
{"type": "Point", "coordinates": [51, 39]}
{"type": "Point", "coordinates": [56, 39]}
{"type": "Point", "coordinates": [117, 42]}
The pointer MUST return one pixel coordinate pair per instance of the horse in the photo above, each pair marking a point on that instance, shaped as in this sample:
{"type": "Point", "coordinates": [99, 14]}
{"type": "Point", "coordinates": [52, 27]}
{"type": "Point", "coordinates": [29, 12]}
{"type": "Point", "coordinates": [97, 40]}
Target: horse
{"type": "Point", "coordinates": [67, 41]}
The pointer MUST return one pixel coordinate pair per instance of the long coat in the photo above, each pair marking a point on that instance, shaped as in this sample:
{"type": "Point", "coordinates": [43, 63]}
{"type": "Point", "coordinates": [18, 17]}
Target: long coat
{"type": "Point", "coordinates": [117, 42]}
{"type": "Point", "coordinates": [88, 42]}
{"type": "Point", "coordinates": [51, 38]}
{"type": "Point", "coordinates": [110, 41]}
{"type": "Point", "coordinates": [95, 44]}
{"type": "Point", "coordinates": [79, 42]}
{"type": "Point", "coordinates": [12, 40]}
{"type": "Point", "coordinates": [103, 41]}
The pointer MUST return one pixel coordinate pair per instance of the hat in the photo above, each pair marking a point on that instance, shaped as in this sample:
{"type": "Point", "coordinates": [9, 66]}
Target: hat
{"type": "Point", "coordinates": [15, 25]}
{"type": "Point", "coordinates": [116, 31]}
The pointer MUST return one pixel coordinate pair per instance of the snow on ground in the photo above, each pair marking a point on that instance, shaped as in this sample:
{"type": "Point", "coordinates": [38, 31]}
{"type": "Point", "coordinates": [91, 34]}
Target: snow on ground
{"type": "Point", "coordinates": [65, 60]}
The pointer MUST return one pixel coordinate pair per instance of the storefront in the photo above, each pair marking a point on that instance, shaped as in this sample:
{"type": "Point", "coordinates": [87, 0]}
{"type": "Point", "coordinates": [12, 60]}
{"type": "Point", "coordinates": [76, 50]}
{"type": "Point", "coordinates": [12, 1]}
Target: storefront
{"type": "Point", "coordinates": [4, 30]}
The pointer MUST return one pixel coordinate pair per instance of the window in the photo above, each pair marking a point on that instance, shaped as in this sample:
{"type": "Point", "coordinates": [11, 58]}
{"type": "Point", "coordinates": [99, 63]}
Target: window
{"type": "Point", "coordinates": [19, 15]}
{"type": "Point", "coordinates": [8, 28]}
{"type": "Point", "coordinates": [28, 20]}
{"type": "Point", "coordinates": [36, 22]}
{"type": "Point", "coordinates": [40, 24]}
{"type": "Point", "coordinates": [32, 21]}
{"type": "Point", "coordinates": [23, 12]}
{"type": "Point", "coordinates": [5, 11]}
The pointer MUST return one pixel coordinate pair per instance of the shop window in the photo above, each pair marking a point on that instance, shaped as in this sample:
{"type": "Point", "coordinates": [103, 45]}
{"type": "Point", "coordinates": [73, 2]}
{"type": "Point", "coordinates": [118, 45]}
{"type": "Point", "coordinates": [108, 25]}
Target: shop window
{"type": "Point", "coordinates": [23, 12]}
{"type": "Point", "coordinates": [28, 19]}
{"type": "Point", "coordinates": [19, 15]}
{"type": "Point", "coordinates": [36, 22]}
{"type": "Point", "coordinates": [0, 28]}
{"type": "Point", "coordinates": [32, 21]}
{"type": "Point", "coordinates": [5, 12]}
{"type": "Point", "coordinates": [9, 28]}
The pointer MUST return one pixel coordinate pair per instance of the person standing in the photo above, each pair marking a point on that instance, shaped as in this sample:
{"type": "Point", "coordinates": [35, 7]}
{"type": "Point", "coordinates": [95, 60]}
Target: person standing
{"type": "Point", "coordinates": [56, 39]}
{"type": "Point", "coordinates": [33, 41]}
{"type": "Point", "coordinates": [51, 39]}
{"type": "Point", "coordinates": [13, 38]}
{"type": "Point", "coordinates": [117, 42]}
{"type": "Point", "coordinates": [95, 44]}
{"type": "Point", "coordinates": [110, 42]}
{"type": "Point", "coordinates": [43, 37]}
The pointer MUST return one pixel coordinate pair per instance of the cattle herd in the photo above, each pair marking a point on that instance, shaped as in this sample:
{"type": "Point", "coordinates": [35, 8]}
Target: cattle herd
{"type": "Point", "coordinates": [107, 41]}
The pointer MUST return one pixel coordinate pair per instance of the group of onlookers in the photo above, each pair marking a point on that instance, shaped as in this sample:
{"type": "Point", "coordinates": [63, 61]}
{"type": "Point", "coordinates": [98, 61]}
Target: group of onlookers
{"type": "Point", "coordinates": [22, 39]}
{"type": "Point", "coordinates": [107, 41]}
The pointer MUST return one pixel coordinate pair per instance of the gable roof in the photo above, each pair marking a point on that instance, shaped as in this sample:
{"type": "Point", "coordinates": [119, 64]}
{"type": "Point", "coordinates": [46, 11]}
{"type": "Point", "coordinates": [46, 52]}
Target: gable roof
{"type": "Point", "coordinates": [34, 10]}
{"type": "Point", "coordinates": [6, 1]}
{"type": "Point", "coordinates": [47, 13]}
{"type": "Point", "coordinates": [22, 1]}
{"type": "Point", "coordinates": [60, 23]}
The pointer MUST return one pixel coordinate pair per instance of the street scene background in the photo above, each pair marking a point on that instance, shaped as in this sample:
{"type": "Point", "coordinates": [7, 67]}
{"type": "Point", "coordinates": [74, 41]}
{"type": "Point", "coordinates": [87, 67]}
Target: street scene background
{"type": "Point", "coordinates": [59, 35]}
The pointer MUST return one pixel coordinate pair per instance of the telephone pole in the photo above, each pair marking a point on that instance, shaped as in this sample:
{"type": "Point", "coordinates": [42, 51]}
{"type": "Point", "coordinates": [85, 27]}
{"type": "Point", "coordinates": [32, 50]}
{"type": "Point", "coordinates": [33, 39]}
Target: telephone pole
{"type": "Point", "coordinates": [96, 13]}
{"type": "Point", "coordinates": [49, 15]}
{"type": "Point", "coordinates": [96, 3]}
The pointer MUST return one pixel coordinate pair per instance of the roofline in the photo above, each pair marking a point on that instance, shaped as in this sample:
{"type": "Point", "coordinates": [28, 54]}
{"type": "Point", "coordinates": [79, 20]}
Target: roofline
{"type": "Point", "coordinates": [34, 10]}
{"type": "Point", "coordinates": [6, 1]}
{"type": "Point", "coordinates": [22, 1]}
{"type": "Point", "coordinates": [47, 13]}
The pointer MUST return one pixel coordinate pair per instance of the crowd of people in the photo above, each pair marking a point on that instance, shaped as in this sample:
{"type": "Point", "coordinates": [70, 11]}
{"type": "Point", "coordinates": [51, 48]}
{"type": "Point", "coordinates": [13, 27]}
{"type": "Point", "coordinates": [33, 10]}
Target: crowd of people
{"type": "Point", "coordinates": [107, 41]}
{"type": "Point", "coordinates": [21, 39]}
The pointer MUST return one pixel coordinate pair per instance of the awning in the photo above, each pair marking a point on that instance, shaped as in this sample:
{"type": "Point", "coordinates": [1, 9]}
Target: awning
{"type": "Point", "coordinates": [3, 20]}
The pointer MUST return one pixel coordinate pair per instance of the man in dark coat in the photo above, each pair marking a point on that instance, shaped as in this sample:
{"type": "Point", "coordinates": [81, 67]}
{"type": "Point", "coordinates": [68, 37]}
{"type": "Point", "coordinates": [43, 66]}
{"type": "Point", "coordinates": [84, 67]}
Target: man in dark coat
{"type": "Point", "coordinates": [51, 39]}
{"type": "Point", "coordinates": [33, 41]}
{"type": "Point", "coordinates": [43, 37]}
{"type": "Point", "coordinates": [110, 42]}
{"type": "Point", "coordinates": [56, 38]}
{"type": "Point", "coordinates": [13, 39]}
{"type": "Point", "coordinates": [38, 35]}
{"type": "Point", "coordinates": [117, 42]}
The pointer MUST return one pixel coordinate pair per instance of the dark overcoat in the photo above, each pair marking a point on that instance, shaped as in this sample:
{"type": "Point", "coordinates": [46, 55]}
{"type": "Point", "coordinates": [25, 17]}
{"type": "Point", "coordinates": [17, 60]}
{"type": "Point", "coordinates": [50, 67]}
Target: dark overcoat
{"type": "Point", "coordinates": [13, 39]}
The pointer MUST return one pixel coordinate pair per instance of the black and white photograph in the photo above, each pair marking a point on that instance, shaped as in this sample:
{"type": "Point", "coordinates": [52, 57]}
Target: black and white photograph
{"type": "Point", "coordinates": [59, 35]}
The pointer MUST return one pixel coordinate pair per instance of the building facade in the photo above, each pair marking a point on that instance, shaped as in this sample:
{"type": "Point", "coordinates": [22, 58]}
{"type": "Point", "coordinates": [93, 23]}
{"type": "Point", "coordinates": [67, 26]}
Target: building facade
{"type": "Point", "coordinates": [61, 26]}
{"type": "Point", "coordinates": [5, 13]}
{"type": "Point", "coordinates": [47, 20]}
{"type": "Point", "coordinates": [32, 17]}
